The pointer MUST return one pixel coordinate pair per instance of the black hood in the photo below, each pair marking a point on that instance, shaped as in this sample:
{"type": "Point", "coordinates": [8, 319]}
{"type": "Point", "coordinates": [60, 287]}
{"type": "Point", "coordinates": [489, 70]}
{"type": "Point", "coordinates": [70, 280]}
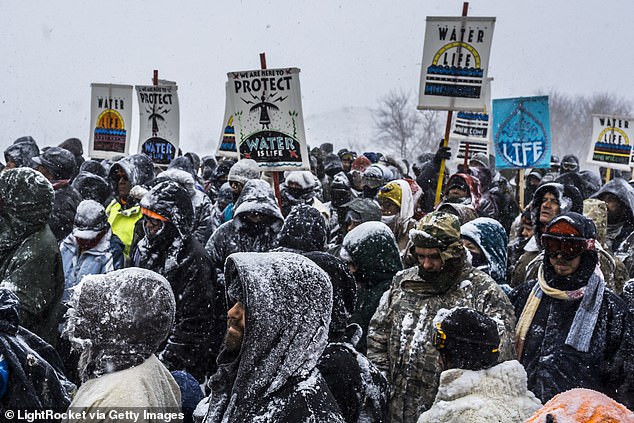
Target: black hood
{"type": "Point", "coordinates": [621, 189]}
{"type": "Point", "coordinates": [568, 196]}
{"type": "Point", "coordinates": [304, 229]}
{"type": "Point", "coordinates": [344, 291]}
{"type": "Point", "coordinates": [286, 330]}
{"type": "Point", "coordinates": [172, 201]}
{"type": "Point", "coordinates": [138, 167]}
{"type": "Point", "coordinates": [22, 152]}
{"type": "Point", "coordinates": [91, 186]}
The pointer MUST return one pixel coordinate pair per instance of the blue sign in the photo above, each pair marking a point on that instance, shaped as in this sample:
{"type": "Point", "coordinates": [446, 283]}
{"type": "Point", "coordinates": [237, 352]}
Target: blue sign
{"type": "Point", "coordinates": [521, 133]}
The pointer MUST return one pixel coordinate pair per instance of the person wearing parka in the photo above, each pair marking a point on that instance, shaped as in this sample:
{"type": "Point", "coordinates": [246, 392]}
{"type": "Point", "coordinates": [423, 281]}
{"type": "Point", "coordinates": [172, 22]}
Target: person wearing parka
{"type": "Point", "coordinates": [397, 210]}
{"type": "Point", "coordinates": [91, 248]}
{"type": "Point", "coordinates": [21, 153]}
{"type": "Point", "coordinates": [118, 322]}
{"type": "Point", "coordinates": [400, 335]}
{"type": "Point", "coordinates": [619, 196]}
{"type": "Point", "coordinates": [170, 250]}
{"type": "Point", "coordinates": [360, 389]}
{"type": "Point", "coordinates": [202, 225]}
{"type": "Point", "coordinates": [256, 223]}
{"type": "Point", "coordinates": [123, 211]}
{"type": "Point", "coordinates": [57, 165]}
{"type": "Point", "coordinates": [372, 255]}
{"type": "Point", "coordinates": [572, 330]}
{"type": "Point", "coordinates": [304, 230]}
{"type": "Point", "coordinates": [486, 241]}
{"type": "Point", "coordinates": [30, 262]}
{"type": "Point", "coordinates": [36, 378]}
{"type": "Point", "coordinates": [268, 365]}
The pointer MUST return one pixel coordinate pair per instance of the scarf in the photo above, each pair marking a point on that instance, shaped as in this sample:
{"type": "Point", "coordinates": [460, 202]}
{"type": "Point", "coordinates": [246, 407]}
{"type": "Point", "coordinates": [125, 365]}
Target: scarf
{"type": "Point", "coordinates": [585, 319]}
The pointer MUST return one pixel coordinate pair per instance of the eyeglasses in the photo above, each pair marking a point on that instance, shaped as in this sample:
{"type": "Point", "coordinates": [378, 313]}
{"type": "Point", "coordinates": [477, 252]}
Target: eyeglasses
{"type": "Point", "coordinates": [439, 337]}
{"type": "Point", "coordinates": [568, 247]}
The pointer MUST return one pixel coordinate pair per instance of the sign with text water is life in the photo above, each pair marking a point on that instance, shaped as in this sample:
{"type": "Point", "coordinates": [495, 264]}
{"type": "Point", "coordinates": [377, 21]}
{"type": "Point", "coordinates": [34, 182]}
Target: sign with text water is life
{"type": "Point", "coordinates": [521, 132]}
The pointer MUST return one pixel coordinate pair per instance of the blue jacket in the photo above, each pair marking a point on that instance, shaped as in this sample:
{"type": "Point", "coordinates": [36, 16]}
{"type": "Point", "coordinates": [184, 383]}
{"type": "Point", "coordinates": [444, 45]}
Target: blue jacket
{"type": "Point", "coordinates": [105, 257]}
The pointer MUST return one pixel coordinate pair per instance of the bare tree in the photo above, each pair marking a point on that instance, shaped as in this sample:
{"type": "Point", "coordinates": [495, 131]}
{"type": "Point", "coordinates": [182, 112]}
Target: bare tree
{"type": "Point", "coordinates": [403, 129]}
{"type": "Point", "coordinates": [571, 118]}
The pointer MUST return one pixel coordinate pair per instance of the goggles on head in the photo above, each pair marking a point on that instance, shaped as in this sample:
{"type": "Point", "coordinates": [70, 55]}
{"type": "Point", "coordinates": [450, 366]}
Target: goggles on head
{"type": "Point", "coordinates": [567, 247]}
{"type": "Point", "coordinates": [569, 166]}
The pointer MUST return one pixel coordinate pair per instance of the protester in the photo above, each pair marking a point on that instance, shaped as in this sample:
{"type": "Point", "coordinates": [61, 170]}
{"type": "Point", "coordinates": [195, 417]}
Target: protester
{"type": "Point", "coordinates": [569, 163]}
{"type": "Point", "coordinates": [277, 332]}
{"type": "Point", "coordinates": [58, 166]}
{"type": "Point", "coordinates": [399, 339]}
{"type": "Point", "coordinates": [170, 250]}
{"type": "Point", "coordinates": [358, 386]}
{"type": "Point", "coordinates": [397, 210]}
{"type": "Point", "coordinates": [124, 212]}
{"type": "Point", "coordinates": [373, 257]}
{"type": "Point", "coordinates": [300, 187]}
{"type": "Point", "coordinates": [91, 248]}
{"type": "Point", "coordinates": [222, 210]}
{"type": "Point", "coordinates": [34, 377]}
{"type": "Point", "coordinates": [474, 386]}
{"type": "Point", "coordinates": [572, 330]}
{"type": "Point", "coordinates": [92, 187]}
{"type": "Point", "coordinates": [304, 230]}
{"type": "Point", "coordinates": [118, 321]}
{"type": "Point", "coordinates": [21, 153]}
{"type": "Point", "coordinates": [30, 261]}
{"type": "Point", "coordinates": [619, 197]}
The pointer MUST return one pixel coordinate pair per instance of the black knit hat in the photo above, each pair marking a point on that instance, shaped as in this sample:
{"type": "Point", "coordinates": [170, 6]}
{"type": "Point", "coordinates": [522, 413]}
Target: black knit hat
{"type": "Point", "coordinates": [471, 339]}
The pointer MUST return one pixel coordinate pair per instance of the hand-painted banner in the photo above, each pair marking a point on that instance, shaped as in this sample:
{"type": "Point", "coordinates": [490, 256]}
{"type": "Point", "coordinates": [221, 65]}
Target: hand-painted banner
{"type": "Point", "coordinates": [521, 132]}
{"type": "Point", "coordinates": [159, 122]}
{"type": "Point", "coordinates": [455, 61]}
{"type": "Point", "coordinates": [110, 120]}
{"type": "Point", "coordinates": [227, 144]}
{"type": "Point", "coordinates": [267, 118]}
{"type": "Point", "coordinates": [472, 129]}
{"type": "Point", "coordinates": [611, 145]}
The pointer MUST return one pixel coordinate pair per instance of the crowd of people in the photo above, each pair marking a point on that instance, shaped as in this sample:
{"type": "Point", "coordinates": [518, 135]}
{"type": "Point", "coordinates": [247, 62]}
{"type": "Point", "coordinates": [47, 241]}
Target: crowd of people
{"type": "Point", "coordinates": [195, 291]}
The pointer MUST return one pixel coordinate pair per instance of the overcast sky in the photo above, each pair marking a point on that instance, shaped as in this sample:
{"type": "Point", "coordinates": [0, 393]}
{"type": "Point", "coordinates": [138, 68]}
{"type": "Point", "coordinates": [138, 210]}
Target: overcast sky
{"type": "Point", "coordinates": [350, 52]}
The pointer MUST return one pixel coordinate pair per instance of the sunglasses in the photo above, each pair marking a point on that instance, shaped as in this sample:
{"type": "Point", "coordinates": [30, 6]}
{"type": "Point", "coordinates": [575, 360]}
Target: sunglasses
{"type": "Point", "coordinates": [568, 248]}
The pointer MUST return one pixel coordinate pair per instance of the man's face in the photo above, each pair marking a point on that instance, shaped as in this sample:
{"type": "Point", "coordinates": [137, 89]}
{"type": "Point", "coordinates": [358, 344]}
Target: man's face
{"type": "Point", "coordinates": [44, 171]}
{"type": "Point", "coordinates": [527, 229]}
{"type": "Point", "coordinates": [152, 226]}
{"type": "Point", "coordinates": [565, 267]}
{"type": "Point", "coordinates": [615, 208]}
{"type": "Point", "coordinates": [457, 192]}
{"type": "Point", "coordinates": [346, 164]}
{"type": "Point", "coordinates": [388, 208]}
{"type": "Point", "coordinates": [236, 187]}
{"type": "Point", "coordinates": [123, 186]}
{"type": "Point", "coordinates": [429, 259]}
{"type": "Point", "coordinates": [549, 208]}
{"type": "Point", "coordinates": [235, 327]}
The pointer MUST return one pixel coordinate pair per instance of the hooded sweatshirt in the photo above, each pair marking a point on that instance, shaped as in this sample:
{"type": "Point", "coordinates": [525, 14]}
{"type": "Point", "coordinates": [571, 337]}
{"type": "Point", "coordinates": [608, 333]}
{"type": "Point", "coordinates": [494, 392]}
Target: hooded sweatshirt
{"type": "Point", "coordinates": [274, 376]}
{"type": "Point", "coordinates": [490, 237]}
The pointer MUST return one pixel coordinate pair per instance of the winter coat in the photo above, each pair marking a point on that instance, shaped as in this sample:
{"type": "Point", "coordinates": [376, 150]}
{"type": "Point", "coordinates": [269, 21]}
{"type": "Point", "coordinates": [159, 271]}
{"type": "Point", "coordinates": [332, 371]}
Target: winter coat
{"type": "Point", "coordinates": [360, 389]}
{"type": "Point", "coordinates": [497, 394]}
{"type": "Point", "coordinates": [123, 217]}
{"type": "Point", "coordinates": [104, 257]}
{"type": "Point", "coordinates": [582, 405]}
{"type": "Point", "coordinates": [148, 386]}
{"type": "Point", "coordinates": [36, 379]}
{"type": "Point", "coordinates": [65, 203]}
{"type": "Point", "coordinates": [180, 258]}
{"type": "Point", "coordinates": [618, 232]}
{"type": "Point", "coordinates": [372, 248]}
{"type": "Point", "coordinates": [427, 179]}
{"type": "Point", "coordinates": [202, 225]}
{"type": "Point", "coordinates": [400, 337]}
{"type": "Point", "coordinates": [274, 378]}
{"type": "Point", "coordinates": [304, 229]}
{"type": "Point", "coordinates": [240, 235]}
{"type": "Point", "coordinates": [553, 366]}
{"type": "Point", "coordinates": [30, 262]}
{"type": "Point", "coordinates": [490, 237]}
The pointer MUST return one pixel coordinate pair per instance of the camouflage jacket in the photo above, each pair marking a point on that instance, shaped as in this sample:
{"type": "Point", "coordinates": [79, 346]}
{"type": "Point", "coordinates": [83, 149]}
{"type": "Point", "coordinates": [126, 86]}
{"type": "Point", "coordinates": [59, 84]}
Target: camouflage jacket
{"type": "Point", "coordinates": [400, 335]}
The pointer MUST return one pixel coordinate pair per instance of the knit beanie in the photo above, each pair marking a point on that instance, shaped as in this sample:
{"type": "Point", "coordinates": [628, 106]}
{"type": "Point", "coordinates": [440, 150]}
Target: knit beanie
{"type": "Point", "coordinates": [243, 171]}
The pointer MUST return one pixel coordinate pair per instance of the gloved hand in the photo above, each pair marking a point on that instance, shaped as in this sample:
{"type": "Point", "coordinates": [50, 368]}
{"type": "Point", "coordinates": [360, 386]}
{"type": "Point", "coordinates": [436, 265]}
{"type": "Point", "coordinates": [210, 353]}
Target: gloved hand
{"type": "Point", "coordinates": [443, 153]}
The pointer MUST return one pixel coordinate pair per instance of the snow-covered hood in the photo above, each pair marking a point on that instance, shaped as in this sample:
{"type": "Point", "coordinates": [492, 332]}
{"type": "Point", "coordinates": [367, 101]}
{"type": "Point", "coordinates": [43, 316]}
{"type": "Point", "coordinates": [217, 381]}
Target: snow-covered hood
{"type": "Point", "coordinates": [257, 196]}
{"type": "Point", "coordinates": [491, 237]}
{"type": "Point", "coordinates": [286, 329]}
{"type": "Point", "coordinates": [621, 189]}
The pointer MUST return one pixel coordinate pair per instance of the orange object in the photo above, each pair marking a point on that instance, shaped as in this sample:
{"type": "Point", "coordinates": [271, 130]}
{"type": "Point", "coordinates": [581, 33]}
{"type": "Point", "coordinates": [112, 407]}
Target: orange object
{"type": "Point", "coordinates": [153, 215]}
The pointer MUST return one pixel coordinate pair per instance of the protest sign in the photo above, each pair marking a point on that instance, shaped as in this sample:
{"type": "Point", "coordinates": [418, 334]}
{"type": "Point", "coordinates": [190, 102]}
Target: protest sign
{"type": "Point", "coordinates": [110, 120]}
{"type": "Point", "coordinates": [521, 132]}
{"type": "Point", "coordinates": [227, 144]}
{"type": "Point", "coordinates": [455, 61]}
{"type": "Point", "coordinates": [159, 122]}
{"type": "Point", "coordinates": [611, 142]}
{"type": "Point", "coordinates": [267, 118]}
{"type": "Point", "coordinates": [472, 129]}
